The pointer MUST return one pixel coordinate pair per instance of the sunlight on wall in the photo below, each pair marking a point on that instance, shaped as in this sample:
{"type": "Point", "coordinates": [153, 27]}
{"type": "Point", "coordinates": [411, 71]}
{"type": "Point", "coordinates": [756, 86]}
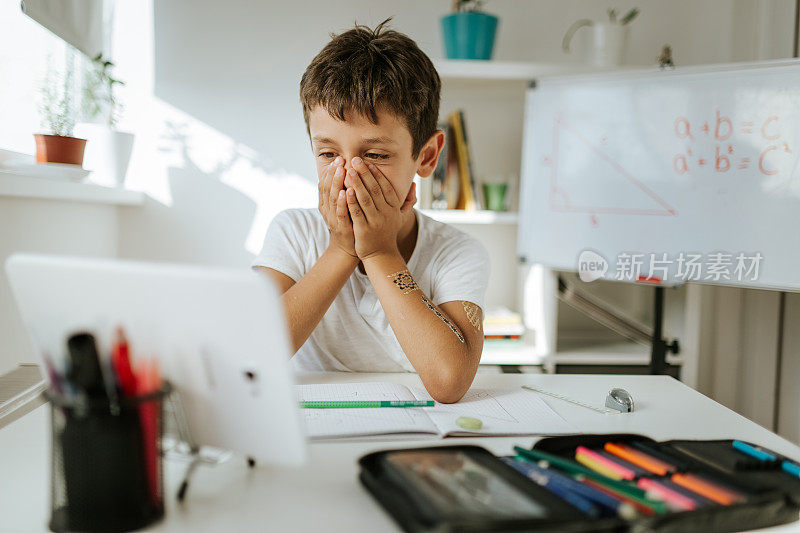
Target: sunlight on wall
{"type": "Point", "coordinates": [173, 147]}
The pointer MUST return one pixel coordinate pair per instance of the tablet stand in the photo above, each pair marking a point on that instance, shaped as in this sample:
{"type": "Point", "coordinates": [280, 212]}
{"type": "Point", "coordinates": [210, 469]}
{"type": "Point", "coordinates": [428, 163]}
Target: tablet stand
{"type": "Point", "coordinates": [188, 449]}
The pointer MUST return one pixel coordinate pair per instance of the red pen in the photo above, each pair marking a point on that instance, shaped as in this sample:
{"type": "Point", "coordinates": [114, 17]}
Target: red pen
{"type": "Point", "coordinates": [121, 363]}
{"type": "Point", "coordinates": [148, 380]}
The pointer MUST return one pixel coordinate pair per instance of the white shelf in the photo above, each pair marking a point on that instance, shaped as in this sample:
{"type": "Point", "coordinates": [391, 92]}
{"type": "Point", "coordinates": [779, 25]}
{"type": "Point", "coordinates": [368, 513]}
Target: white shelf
{"type": "Point", "coordinates": [459, 216]}
{"type": "Point", "coordinates": [461, 69]}
{"type": "Point", "coordinates": [605, 353]}
{"type": "Point", "coordinates": [523, 355]}
{"type": "Point", "coordinates": [596, 353]}
{"type": "Point", "coordinates": [70, 191]}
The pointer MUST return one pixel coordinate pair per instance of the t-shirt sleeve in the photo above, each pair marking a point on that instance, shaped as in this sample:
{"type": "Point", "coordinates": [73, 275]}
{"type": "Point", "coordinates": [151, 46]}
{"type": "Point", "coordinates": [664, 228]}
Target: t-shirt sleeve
{"type": "Point", "coordinates": [283, 246]}
{"type": "Point", "coordinates": [462, 273]}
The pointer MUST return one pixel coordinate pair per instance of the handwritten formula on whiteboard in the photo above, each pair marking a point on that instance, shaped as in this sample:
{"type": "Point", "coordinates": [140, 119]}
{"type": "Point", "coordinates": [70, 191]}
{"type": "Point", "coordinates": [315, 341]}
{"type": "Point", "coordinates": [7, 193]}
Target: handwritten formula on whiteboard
{"type": "Point", "coordinates": [774, 154]}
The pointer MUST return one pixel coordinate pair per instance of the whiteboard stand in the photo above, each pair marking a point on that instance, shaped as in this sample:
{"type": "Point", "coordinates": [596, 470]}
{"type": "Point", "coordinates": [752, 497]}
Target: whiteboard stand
{"type": "Point", "coordinates": [609, 317]}
{"type": "Point", "coordinates": [660, 347]}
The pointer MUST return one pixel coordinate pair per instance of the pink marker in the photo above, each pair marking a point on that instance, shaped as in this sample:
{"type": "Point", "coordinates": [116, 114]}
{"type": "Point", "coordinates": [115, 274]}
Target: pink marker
{"type": "Point", "coordinates": [674, 499]}
{"type": "Point", "coordinates": [623, 472]}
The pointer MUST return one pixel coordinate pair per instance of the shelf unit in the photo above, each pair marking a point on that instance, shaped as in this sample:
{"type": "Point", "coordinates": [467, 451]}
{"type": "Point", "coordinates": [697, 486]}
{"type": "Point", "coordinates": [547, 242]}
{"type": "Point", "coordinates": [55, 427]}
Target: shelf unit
{"type": "Point", "coordinates": [461, 69]}
{"type": "Point", "coordinates": [504, 79]}
{"type": "Point", "coordinates": [458, 216]}
{"type": "Point", "coordinates": [45, 189]}
{"type": "Point", "coordinates": [494, 81]}
{"type": "Point", "coordinates": [511, 356]}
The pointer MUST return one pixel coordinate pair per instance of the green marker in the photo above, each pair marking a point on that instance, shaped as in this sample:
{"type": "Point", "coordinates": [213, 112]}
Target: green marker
{"type": "Point", "coordinates": [325, 404]}
{"type": "Point", "coordinates": [574, 468]}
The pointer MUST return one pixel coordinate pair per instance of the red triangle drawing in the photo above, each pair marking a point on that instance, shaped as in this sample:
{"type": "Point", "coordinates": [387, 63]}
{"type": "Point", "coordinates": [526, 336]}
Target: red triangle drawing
{"type": "Point", "coordinates": [571, 190]}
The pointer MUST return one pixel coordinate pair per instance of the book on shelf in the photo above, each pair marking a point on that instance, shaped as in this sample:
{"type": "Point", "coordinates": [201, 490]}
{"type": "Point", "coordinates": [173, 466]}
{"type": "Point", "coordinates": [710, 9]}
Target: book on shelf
{"type": "Point", "coordinates": [437, 180]}
{"type": "Point", "coordinates": [504, 344]}
{"type": "Point", "coordinates": [467, 195]}
{"type": "Point", "coordinates": [502, 337]}
{"type": "Point", "coordinates": [452, 184]}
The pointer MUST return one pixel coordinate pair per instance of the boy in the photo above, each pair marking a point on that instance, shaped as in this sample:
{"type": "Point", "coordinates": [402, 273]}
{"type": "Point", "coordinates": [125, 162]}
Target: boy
{"type": "Point", "coordinates": [368, 283]}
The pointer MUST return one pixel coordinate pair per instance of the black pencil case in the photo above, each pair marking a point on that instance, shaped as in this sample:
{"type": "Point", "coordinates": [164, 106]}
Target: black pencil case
{"type": "Point", "coordinates": [395, 480]}
{"type": "Point", "coordinates": [510, 501]}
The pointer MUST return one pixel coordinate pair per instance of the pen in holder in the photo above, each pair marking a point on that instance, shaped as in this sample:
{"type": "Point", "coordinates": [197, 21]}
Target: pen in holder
{"type": "Point", "coordinates": [106, 461]}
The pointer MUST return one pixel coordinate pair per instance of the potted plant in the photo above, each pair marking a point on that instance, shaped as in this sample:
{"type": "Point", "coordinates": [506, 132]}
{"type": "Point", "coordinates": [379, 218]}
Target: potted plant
{"type": "Point", "coordinates": [109, 150]}
{"type": "Point", "coordinates": [608, 38]}
{"type": "Point", "coordinates": [468, 31]}
{"type": "Point", "coordinates": [58, 113]}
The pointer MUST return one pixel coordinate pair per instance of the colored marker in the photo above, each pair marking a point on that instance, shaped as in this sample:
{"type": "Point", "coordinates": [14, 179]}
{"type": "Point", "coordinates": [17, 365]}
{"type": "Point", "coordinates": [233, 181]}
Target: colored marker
{"type": "Point", "coordinates": [642, 504]}
{"type": "Point", "coordinates": [641, 459]}
{"type": "Point", "coordinates": [148, 381]}
{"type": "Point", "coordinates": [574, 468]}
{"type": "Point", "coordinates": [790, 468]}
{"type": "Point", "coordinates": [637, 470]}
{"type": "Point", "coordinates": [619, 470]}
{"type": "Point", "coordinates": [675, 500]}
{"type": "Point", "coordinates": [706, 488]}
{"type": "Point", "coordinates": [590, 462]}
{"type": "Point", "coordinates": [610, 505]}
{"type": "Point", "coordinates": [763, 455]}
{"type": "Point", "coordinates": [329, 404]}
{"type": "Point", "coordinates": [756, 453]}
{"type": "Point", "coordinates": [699, 500]}
{"type": "Point", "coordinates": [121, 364]}
{"type": "Point", "coordinates": [541, 477]}
{"type": "Point", "coordinates": [658, 454]}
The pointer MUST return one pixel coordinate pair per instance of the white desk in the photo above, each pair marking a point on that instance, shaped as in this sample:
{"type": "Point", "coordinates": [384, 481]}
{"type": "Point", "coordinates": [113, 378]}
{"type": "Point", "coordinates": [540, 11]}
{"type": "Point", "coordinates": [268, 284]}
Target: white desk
{"type": "Point", "coordinates": [326, 495]}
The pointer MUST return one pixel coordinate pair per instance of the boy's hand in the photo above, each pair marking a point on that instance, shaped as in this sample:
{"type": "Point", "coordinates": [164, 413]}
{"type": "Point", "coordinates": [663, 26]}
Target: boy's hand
{"type": "Point", "coordinates": [376, 210]}
{"type": "Point", "coordinates": [333, 207]}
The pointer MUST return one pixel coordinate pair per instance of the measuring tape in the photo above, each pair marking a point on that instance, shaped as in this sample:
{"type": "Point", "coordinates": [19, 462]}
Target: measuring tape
{"type": "Point", "coordinates": [604, 410]}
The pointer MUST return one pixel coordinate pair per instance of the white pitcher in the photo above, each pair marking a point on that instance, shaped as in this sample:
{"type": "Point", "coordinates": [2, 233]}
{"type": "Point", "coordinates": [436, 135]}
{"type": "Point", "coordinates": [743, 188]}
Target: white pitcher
{"type": "Point", "coordinates": [606, 43]}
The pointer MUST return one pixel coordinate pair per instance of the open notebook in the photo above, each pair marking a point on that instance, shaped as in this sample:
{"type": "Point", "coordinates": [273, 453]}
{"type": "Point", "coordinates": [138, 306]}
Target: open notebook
{"type": "Point", "coordinates": [502, 411]}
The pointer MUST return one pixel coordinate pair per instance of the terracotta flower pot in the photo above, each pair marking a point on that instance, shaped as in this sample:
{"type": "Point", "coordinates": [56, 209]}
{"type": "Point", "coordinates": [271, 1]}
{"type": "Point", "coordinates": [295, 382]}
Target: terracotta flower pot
{"type": "Point", "coordinates": [59, 149]}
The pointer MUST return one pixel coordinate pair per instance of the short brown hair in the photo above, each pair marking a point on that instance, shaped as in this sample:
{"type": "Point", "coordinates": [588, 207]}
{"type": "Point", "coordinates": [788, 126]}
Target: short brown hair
{"type": "Point", "coordinates": [362, 70]}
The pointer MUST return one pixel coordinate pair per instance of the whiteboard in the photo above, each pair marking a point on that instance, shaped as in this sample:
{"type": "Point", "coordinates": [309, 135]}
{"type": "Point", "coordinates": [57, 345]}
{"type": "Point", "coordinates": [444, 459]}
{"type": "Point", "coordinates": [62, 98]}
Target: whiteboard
{"type": "Point", "coordinates": [656, 172]}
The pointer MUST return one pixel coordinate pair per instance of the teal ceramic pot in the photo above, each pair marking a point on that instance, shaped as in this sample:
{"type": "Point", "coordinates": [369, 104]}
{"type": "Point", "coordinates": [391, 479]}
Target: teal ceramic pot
{"type": "Point", "coordinates": [469, 35]}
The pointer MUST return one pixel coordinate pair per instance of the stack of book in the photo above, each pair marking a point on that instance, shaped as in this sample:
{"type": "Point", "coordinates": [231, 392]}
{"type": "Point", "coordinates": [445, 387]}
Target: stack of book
{"type": "Point", "coordinates": [502, 328]}
{"type": "Point", "coordinates": [453, 184]}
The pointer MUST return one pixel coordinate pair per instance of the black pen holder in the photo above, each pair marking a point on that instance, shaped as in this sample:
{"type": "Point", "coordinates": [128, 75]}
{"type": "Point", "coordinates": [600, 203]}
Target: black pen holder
{"type": "Point", "coordinates": [106, 462]}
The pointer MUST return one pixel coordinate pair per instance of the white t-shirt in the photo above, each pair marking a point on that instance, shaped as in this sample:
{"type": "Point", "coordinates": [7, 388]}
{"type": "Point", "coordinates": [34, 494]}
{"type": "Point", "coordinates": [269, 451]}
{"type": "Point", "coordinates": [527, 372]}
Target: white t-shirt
{"type": "Point", "coordinates": [354, 334]}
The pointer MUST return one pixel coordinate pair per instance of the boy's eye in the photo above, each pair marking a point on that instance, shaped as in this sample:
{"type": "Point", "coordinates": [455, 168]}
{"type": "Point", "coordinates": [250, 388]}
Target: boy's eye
{"type": "Point", "coordinates": [373, 155]}
{"type": "Point", "coordinates": [327, 155]}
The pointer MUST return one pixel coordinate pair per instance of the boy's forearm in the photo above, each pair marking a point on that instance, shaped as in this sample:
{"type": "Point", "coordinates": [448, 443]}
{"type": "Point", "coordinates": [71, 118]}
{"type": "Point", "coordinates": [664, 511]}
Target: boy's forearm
{"type": "Point", "coordinates": [307, 301]}
{"type": "Point", "coordinates": [433, 344]}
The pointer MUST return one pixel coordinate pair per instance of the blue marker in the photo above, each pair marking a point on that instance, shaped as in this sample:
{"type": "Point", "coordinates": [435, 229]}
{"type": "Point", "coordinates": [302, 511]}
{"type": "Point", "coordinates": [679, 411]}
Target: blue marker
{"type": "Point", "coordinates": [547, 482]}
{"type": "Point", "coordinates": [612, 506]}
{"type": "Point", "coordinates": [759, 453]}
{"type": "Point", "coordinates": [791, 468]}
{"type": "Point", "coordinates": [756, 453]}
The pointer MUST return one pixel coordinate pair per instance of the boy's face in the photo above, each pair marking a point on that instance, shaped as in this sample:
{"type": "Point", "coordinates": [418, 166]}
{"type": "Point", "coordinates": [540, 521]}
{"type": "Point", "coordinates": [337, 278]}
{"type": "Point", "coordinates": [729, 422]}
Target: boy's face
{"type": "Point", "coordinates": [387, 145]}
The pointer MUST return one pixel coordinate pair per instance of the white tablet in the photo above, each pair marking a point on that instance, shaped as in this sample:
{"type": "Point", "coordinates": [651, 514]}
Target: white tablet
{"type": "Point", "coordinates": [219, 335]}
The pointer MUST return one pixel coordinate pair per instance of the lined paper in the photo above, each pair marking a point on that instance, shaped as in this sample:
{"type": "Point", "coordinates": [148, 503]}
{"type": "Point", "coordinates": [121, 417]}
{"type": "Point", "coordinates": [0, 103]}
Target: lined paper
{"type": "Point", "coordinates": [354, 422]}
{"type": "Point", "coordinates": [501, 411]}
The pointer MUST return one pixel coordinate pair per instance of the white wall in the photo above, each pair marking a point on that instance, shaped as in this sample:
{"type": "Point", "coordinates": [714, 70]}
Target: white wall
{"type": "Point", "coordinates": [221, 144]}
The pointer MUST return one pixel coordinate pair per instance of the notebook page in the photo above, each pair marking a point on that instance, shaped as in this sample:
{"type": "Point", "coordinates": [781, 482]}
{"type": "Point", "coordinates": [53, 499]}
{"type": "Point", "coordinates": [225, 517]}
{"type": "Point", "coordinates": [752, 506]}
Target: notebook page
{"type": "Point", "coordinates": [502, 412]}
{"type": "Point", "coordinates": [355, 422]}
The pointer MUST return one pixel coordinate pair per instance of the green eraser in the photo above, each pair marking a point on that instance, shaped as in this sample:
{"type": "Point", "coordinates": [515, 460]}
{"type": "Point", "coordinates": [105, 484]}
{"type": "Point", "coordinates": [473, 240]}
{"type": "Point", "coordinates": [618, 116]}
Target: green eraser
{"type": "Point", "coordinates": [467, 422]}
